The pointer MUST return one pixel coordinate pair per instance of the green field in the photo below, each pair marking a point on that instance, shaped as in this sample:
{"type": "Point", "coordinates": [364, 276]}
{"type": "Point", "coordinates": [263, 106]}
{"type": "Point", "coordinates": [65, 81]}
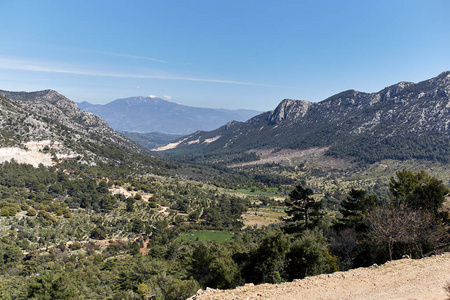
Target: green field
{"type": "Point", "coordinates": [206, 236]}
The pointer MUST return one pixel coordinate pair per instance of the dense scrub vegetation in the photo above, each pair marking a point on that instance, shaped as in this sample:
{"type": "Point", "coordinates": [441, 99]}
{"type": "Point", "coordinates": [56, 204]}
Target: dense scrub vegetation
{"type": "Point", "coordinates": [66, 235]}
{"type": "Point", "coordinates": [54, 221]}
{"type": "Point", "coordinates": [364, 149]}
{"type": "Point", "coordinates": [432, 147]}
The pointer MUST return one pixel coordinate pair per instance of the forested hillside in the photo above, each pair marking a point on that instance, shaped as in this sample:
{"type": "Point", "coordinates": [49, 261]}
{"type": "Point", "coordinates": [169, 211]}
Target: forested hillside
{"type": "Point", "coordinates": [403, 121]}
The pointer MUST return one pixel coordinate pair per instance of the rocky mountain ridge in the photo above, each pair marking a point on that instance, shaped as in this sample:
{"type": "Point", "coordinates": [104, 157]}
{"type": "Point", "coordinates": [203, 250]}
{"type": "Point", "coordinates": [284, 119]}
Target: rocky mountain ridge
{"type": "Point", "coordinates": [49, 116]}
{"type": "Point", "coordinates": [405, 112]}
{"type": "Point", "coordinates": [150, 114]}
{"type": "Point", "coordinates": [51, 104]}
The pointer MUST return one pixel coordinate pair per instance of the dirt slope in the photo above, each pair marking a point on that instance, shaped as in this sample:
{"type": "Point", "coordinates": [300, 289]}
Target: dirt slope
{"type": "Point", "coordinates": [402, 279]}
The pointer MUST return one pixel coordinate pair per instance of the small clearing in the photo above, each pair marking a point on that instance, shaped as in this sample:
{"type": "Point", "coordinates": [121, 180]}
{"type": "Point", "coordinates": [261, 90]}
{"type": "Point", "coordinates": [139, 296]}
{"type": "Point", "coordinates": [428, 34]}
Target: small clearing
{"type": "Point", "coordinates": [401, 279]}
{"type": "Point", "coordinates": [293, 157]}
{"type": "Point", "coordinates": [261, 217]}
{"type": "Point", "coordinates": [115, 189]}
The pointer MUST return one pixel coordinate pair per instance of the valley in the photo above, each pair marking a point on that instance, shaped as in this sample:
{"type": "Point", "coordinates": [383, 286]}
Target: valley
{"type": "Point", "coordinates": [303, 190]}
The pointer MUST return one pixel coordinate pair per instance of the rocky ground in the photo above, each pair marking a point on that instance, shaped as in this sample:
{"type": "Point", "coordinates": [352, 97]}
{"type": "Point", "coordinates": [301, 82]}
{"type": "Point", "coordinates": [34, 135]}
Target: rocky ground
{"type": "Point", "coordinates": [401, 279]}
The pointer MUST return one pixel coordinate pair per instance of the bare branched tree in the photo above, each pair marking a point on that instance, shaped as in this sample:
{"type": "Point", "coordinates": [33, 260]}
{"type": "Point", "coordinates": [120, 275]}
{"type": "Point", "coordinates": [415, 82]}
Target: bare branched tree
{"type": "Point", "coordinates": [391, 224]}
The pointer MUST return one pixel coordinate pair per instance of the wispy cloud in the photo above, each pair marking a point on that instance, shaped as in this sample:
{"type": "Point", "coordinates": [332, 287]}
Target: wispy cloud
{"type": "Point", "coordinates": [41, 67]}
{"type": "Point", "coordinates": [128, 56]}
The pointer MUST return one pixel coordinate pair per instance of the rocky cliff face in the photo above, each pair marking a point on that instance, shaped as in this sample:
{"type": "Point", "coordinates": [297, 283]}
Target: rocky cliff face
{"type": "Point", "coordinates": [18, 125]}
{"type": "Point", "coordinates": [293, 110]}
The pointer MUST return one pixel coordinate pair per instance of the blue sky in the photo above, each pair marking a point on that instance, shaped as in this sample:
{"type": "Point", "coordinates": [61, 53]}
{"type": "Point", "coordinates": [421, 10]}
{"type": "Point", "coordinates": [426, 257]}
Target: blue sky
{"type": "Point", "coordinates": [221, 54]}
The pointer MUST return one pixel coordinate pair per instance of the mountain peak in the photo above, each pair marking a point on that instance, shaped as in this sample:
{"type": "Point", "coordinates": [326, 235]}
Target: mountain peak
{"type": "Point", "coordinates": [289, 109]}
{"type": "Point", "coordinates": [444, 77]}
{"type": "Point", "coordinates": [444, 74]}
{"type": "Point", "coordinates": [138, 100]}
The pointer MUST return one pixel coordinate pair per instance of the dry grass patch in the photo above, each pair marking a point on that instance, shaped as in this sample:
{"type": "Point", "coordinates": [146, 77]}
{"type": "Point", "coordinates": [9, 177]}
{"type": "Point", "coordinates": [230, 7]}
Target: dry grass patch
{"type": "Point", "coordinates": [262, 217]}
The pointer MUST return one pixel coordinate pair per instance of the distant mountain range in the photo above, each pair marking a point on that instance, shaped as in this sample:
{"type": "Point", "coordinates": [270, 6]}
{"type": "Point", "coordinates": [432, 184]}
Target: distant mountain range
{"type": "Point", "coordinates": [403, 121]}
{"type": "Point", "coordinates": [147, 114]}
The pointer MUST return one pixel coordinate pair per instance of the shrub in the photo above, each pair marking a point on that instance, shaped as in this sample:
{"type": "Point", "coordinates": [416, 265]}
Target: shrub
{"type": "Point", "coordinates": [309, 256]}
{"type": "Point", "coordinates": [8, 211]}
{"type": "Point", "coordinates": [75, 246]}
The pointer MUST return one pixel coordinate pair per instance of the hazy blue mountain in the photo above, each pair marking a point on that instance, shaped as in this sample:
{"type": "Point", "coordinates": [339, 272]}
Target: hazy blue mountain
{"type": "Point", "coordinates": [146, 114]}
{"type": "Point", "coordinates": [403, 121]}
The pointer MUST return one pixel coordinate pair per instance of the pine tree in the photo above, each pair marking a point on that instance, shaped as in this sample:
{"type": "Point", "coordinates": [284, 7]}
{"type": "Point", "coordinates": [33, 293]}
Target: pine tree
{"type": "Point", "coordinates": [354, 207]}
{"type": "Point", "coordinates": [418, 191]}
{"type": "Point", "coordinates": [302, 208]}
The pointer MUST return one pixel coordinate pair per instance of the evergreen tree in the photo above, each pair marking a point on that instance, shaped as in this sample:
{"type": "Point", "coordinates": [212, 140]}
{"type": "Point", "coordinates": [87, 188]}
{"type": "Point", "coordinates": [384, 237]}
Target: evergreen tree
{"type": "Point", "coordinates": [418, 191]}
{"type": "Point", "coordinates": [302, 209]}
{"type": "Point", "coordinates": [354, 207]}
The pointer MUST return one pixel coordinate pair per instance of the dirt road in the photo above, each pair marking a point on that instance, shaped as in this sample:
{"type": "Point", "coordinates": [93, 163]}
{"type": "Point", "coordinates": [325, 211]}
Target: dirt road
{"type": "Point", "coordinates": [402, 279]}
